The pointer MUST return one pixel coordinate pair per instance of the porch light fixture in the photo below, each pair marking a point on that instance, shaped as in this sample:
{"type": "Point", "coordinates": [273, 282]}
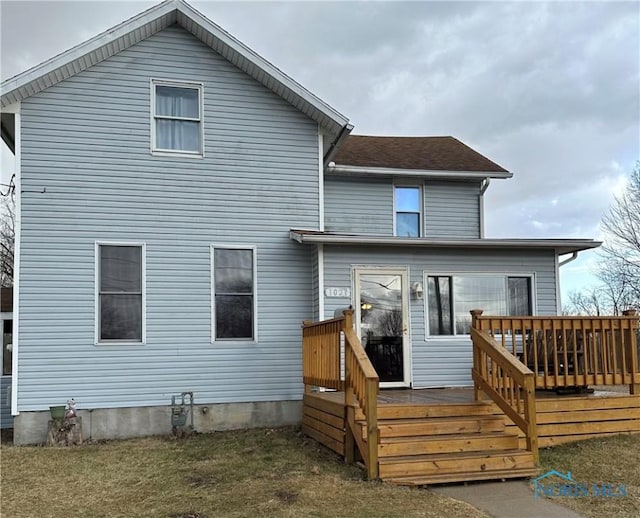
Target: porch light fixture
{"type": "Point", "coordinates": [416, 289]}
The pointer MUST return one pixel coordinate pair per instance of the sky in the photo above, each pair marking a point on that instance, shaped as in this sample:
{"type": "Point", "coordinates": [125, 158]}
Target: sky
{"type": "Point", "coordinates": [550, 91]}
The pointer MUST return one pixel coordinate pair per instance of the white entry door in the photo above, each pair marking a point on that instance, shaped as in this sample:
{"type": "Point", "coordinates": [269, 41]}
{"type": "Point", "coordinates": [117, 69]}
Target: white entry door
{"type": "Point", "coordinates": [382, 323]}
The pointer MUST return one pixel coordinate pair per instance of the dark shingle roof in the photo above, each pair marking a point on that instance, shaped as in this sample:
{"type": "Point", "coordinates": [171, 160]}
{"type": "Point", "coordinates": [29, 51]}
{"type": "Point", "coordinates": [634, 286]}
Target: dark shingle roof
{"type": "Point", "coordinates": [424, 153]}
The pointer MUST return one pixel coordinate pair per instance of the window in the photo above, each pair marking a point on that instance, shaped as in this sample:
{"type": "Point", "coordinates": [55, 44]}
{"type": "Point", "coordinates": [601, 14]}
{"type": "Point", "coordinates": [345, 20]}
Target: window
{"type": "Point", "coordinates": [177, 118]}
{"type": "Point", "coordinates": [407, 203]}
{"type": "Point", "coordinates": [233, 293]}
{"type": "Point", "coordinates": [120, 273]}
{"type": "Point", "coordinates": [7, 346]}
{"type": "Point", "coordinates": [451, 298]}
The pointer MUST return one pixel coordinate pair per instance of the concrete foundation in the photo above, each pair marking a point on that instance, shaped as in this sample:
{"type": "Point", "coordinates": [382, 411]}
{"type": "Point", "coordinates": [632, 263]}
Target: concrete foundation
{"type": "Point", "coordinates": [123, 423]}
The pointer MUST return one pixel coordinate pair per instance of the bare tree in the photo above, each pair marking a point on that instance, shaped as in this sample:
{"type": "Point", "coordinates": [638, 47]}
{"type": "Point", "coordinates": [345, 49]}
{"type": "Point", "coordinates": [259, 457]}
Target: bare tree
{"type": "Point", "coordinates": [589, 302]}
{"type": "Point", "coordinates": [7, 239]}
{"type": "Point", "coordinates": [620, 268]}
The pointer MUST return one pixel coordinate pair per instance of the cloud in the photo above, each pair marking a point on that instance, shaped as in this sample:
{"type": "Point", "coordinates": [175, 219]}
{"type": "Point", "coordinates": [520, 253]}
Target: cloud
{"type": "Point", "coordinates": [551, 91]}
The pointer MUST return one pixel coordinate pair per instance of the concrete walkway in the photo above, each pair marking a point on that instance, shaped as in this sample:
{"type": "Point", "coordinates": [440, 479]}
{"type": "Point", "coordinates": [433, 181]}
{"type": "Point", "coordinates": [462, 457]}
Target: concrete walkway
{"type": "Point", "coordinates": [512, 499]}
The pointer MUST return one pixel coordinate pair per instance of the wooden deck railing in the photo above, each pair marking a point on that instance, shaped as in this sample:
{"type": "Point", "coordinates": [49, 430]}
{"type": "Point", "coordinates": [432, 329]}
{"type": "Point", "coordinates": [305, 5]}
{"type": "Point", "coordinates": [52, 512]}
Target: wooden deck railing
{"type": "Point", "coordinates": [571, 351]}
{"type": "Point", "coordinates": [321, 368]}
{"type": "Point", "coordinates": [509, 383]}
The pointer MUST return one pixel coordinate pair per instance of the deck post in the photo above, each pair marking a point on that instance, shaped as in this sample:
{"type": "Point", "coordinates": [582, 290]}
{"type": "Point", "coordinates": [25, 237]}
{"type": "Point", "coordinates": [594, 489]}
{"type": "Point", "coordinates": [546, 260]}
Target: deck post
{"type": "Point", "coordinates": [307, 388]}
{"type": "Point", "coordinates": [630, 339]}
{"type": "Point", "coordinates": [349, 439]}
{"type": "Point", "coordinates": [475, 314]}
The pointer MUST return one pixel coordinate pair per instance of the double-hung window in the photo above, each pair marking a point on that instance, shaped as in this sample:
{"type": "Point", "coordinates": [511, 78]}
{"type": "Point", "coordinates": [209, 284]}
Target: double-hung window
{"type": "Point", "coordinates": [407, 202]}
{"type": "Point", "coordinates": [451, 298]}
{"type": "Point", "coordinates": [233, 293]}
{"type": "Point", "coordinates": [177, 118]}
{"type": "Point", "coordinates": [120, 293]}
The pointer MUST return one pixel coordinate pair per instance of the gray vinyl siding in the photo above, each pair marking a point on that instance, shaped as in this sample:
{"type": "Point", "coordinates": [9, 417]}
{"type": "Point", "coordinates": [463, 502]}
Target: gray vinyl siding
{"type": "Point", "coordinates": [440, 361]}
{"type": "Point", "coordinates": [365, 206]}
{"type": "Point", "coordinates": [88, 175]}
{"type": "Point", "coordinates": [357, 205]}
{"type": "Point", "coordinates": [452, 209]}
{"type": "Point", "coordinates": [6, 420]}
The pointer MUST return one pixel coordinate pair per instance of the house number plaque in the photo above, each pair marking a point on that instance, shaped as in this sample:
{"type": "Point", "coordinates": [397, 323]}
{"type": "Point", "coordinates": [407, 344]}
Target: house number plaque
{"type": "Point", "coordinates": [338, 292]}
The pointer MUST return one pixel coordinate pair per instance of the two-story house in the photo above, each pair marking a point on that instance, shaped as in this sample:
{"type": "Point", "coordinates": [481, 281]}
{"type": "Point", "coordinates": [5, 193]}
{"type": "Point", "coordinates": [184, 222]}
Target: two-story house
{"type": "Point", "coordinates": [183, 205]}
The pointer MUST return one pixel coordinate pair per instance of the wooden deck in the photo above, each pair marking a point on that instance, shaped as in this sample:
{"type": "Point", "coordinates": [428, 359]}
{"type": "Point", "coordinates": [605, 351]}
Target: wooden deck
{"type": "Point", "coordinates": [421, 429]}
{"type": "Point", "coordinates": [491, 431]}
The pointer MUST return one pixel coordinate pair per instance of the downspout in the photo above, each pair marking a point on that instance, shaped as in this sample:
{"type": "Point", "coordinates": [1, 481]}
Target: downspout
{"type": "Point", "coordinates": [573, 257]}
{"type": "Point", "coordinates": [483, 188]}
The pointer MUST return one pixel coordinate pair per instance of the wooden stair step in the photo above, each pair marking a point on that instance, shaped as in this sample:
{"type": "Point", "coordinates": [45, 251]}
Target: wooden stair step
{"type": "Point", "coordinates": [463, 477]}
{"type": "Point", "coordinates": [440, 425]}
{"type": "Point", "coordinates": [450, 463]}
{"type": "Point", "coordinates": [412, 411]}
{"type": "Point", "coordinates": [450, 443]}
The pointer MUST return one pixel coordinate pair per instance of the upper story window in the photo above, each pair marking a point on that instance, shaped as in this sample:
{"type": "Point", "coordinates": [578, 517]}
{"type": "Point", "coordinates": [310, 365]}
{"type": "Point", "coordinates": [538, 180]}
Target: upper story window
{"type": "Point", "coordinates": [120, 289]}
{"type": "Point", "coordinates": [450, 300]}
{"type": "Point", "coordinates": [177, 118]}
{"type": "Point", "coordinates": [407, 203]}
{"type": "Point", "coordinates": [233, 293]}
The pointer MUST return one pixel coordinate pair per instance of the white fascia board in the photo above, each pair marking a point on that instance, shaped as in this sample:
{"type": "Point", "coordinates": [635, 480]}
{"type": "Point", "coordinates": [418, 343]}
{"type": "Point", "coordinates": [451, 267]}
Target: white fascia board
{"type": "Point", "coordinates": [349, 170]}
{"type": "Point", "coordinates": [561, 246]}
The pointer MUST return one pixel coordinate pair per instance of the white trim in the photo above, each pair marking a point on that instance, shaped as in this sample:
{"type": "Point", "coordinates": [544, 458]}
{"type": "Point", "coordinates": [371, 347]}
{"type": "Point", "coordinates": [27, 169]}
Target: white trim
{"type": "Point", "coordinates": [143, 280]}
{"type": "Point", "coordinates": [254, 251]}
{"type": "Point", "coordinates": [320, 180]}
{"type": "Point", "coordinates": [505, 275]}
{"type": "Point", "coordinates": [421, 207]}
{"type": "Point", "coordinates": [16, 261]}
{"type": "Point", "coordinates": [561, 246]}
{"type": "Point", "coordinates": [403, 272]}
{"type": "Point", "coordinates": [193, 85]}
{"type": "Point", "coordinates": [320, 282]}
{"type": "Point", "coordinates": [12, 108]}
{"type": "Point", "coordinates": [556, 263]}
{"type": "Point", "coordinates": [352, 170]}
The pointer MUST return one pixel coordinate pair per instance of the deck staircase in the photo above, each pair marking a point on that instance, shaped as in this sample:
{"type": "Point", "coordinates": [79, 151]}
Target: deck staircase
{"type": "Point", "coordinates": [431, 444]}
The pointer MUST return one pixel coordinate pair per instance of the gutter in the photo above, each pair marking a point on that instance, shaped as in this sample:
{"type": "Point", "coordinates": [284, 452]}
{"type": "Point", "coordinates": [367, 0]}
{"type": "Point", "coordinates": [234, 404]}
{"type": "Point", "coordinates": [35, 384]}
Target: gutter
{"type": "Point", "coordinates": [348, 170]}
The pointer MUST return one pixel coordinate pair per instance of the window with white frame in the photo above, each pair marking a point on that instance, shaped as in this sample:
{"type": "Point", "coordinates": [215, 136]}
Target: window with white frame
{"type": "Point", "coordinates": [233, 293]}
{"type": "Point", "coordinates": [450, 298]}
{"type": "Point", "coordinates": [407, 203]}
{"type": "Point", "coordinates": [120, 288]}
{"type": "Point", "coordinates": [177, 117]}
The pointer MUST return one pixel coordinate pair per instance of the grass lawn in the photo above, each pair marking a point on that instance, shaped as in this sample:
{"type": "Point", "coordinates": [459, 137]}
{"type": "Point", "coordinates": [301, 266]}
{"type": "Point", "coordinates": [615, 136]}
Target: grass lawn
{"type": "Point", "coordinates": [614, 460]}
{"type": "Point", "coordinates": [242, 473]}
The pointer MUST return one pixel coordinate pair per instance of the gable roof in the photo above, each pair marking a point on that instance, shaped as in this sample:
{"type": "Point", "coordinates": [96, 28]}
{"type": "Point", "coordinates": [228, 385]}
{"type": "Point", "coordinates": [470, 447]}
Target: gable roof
{"type": "Point", "coordinates": [414, 153]}
{"type": "Point", "coordinates": [151, 21]}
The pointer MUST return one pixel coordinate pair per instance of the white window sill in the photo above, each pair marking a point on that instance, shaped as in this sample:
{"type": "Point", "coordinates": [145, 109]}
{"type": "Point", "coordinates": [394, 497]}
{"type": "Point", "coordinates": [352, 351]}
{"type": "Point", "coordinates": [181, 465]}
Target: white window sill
{"type": "Point", "coordinates": [176, 154]}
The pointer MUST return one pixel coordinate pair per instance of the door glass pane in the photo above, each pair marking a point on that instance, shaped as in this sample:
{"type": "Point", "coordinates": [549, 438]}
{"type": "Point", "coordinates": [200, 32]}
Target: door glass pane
{"type": "Point", "coordinates": [381, 324]}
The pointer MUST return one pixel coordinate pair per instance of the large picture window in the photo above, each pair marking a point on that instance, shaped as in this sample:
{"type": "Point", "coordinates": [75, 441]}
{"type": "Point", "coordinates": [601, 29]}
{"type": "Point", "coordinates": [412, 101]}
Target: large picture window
{"type": "Point", "coordinates": [233, 293]}
{"type": "Point", "coordinates": [120, 279]}
{"type": "Point", "coordinates": [177, 118]}
{"type": "Point", "coordinates": [451, 298]}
